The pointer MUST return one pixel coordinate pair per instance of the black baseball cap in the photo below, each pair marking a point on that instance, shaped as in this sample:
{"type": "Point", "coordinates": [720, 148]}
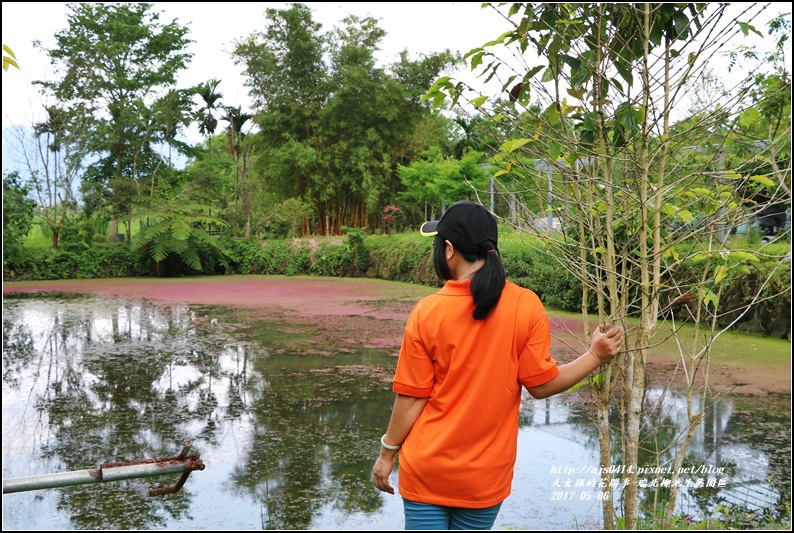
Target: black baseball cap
{"type": "Point", "coordinates": [469, 226]}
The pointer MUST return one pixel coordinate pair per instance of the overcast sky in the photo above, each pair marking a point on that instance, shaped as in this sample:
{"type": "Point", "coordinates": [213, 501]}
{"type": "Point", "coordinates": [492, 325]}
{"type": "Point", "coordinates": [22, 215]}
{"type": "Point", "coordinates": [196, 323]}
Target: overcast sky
{"type": "Point", "coordinates": [418, 27]}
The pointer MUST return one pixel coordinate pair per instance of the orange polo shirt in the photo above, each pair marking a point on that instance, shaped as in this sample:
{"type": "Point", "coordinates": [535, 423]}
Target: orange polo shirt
{"type": "Point", "coordinates": [461, 451]}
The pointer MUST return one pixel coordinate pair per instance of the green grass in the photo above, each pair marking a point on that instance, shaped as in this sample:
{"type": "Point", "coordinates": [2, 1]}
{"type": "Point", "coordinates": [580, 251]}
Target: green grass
{"type": "Point", "coordinates": [37, 238]}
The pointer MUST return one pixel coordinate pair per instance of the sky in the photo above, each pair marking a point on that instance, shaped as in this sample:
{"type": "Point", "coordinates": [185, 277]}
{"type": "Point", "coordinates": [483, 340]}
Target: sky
{"type": "Point", "coordinates": [420, 28]}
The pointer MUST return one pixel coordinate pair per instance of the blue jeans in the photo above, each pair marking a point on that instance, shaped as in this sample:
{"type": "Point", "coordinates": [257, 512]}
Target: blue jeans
{"type": "Point", "coordinates": [427, 516]}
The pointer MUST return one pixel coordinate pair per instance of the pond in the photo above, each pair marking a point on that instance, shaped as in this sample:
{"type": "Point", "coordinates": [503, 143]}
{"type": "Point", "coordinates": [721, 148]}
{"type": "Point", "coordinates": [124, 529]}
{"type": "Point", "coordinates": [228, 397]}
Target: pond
{"type": "Point", "coordinates": [287, 421]}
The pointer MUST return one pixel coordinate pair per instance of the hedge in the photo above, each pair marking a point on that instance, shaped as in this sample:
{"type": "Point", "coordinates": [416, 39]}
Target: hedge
{"type": "Point", "coordinates": [404, 257]}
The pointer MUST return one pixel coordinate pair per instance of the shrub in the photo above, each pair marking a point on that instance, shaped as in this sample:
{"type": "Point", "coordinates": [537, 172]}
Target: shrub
{"type": "Point", "coordinates": [404, 257]}
{"type": "Point", "coordinates": [332, 260]}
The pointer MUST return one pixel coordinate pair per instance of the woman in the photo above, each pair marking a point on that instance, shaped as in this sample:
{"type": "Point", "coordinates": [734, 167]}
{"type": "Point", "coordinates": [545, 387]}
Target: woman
{"type": "Point", "coordinates": [466, 352]}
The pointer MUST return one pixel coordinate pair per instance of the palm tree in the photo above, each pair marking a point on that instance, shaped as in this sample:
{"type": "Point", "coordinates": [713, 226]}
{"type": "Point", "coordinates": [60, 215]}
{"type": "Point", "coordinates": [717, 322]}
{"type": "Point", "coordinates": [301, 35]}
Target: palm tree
{"type": "Point", "coordinates": [236, 118]}
{"type": "Point", "coordinates": [206, 115]}
{"type": "Point", "coordinates": [53, 187]}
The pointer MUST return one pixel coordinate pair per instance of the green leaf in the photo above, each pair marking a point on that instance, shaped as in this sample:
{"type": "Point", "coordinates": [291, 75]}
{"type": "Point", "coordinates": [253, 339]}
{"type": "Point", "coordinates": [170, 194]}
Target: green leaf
{"type": "Point", "coordinates": [681, 25]}
{"type": "Point", "coordinates": [763, 180]}
{"type": "Point", "coordinates": [548, 75]}
{"type": "Point", "coordinates": [8, 62]}
{"type": "Point", "coordinates": [720, 273]}
{"type": "Point", "coordinates": [747, 28]}
{"type": "Point", "coordinates": [10, 59]}
{"type": "Point", "coordinates": [625, 73]}
{"type": "Point", "coordinates": [552, 114]}
{"type": "Point", "coordinates": [498, 40]}
{"type": "Point", "coordinates": [478, 102]}
{"type": "Point", "coordinates": [710, 297]}
{"type": "Point", "coordinates": [180, 229]}
{"type": "Point", "coordinates": [580, 384]}
{"type": "Point", "coordinates": [686, 215]}
{"type": "Point", "coordinates": [438, 99]}
{"type": "Point", "coordinates": [533, 71]}
{"type": "Point", "coordinates": [554, 150]}
{"type": "Point", "coordinates": [472, 52]}
{"type": "Point", "coordinates": [745, 255]}
{"type": "Point", "coordinates": [749, 116]}
{"type": "Point", "coordinates": [514, 144]}
{"type": "Point", "coordinates": [671, 252]}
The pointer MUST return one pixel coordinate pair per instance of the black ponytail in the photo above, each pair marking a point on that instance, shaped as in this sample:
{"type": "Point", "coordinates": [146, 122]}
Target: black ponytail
{"type": "Point", "coordinates": [487, 282]}
{"type": "Point", "coordinates": [487, 285]}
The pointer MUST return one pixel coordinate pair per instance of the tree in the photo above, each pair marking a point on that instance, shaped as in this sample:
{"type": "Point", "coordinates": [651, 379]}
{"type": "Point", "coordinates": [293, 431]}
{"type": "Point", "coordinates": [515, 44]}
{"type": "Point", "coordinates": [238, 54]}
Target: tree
{"type": "Point", "coordinates": [206, 115]}
{"type": "Point", "coordinates": [117, 62]}
{"type": "Point", "coordinates": [53, 156]}
{"type": "Point", "coordinates": [177, 228]}
{"type": "Point", "coordinates": [240, 149]}
{"type": "Point", "coordinates": [169, 115]}
{"type": "Point", "coordinates": [642, 199]}
{"type": "Point", "coordinates": [437, 180]}
{"type": "Point", "coordinates": [18, 211]}
{"type": "Point", "coordinates": [335, 124]}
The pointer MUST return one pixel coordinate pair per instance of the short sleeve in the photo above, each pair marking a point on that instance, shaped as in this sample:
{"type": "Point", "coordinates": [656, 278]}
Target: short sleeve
{"type": "Point", "coordinates": [536, 366]}
{"type": "Point", "coordinates": [415, 374]}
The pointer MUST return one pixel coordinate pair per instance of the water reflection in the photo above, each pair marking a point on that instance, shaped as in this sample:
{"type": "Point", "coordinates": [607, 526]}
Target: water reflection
{"type": "Point", "coordinates": [288, 440]}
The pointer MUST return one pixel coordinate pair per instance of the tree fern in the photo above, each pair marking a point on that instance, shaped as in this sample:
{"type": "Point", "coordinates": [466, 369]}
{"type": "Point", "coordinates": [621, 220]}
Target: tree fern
{"type": "Point", "coordinates": [178, 229]}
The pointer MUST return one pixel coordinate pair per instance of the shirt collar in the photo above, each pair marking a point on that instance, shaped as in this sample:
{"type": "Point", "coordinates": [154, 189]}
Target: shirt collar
{"type": "Point", "coordinates": [456, 288]}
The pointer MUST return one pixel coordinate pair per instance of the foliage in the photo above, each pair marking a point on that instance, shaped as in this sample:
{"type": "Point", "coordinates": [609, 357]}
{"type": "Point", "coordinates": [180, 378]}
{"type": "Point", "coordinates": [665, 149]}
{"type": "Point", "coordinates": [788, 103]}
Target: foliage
{"type": "Point", "coordinates": [331, 260]}
{"type": "Point", "coordinates": [435, 179]}
{"type": "Point", "coordinates": [18, 211]}
{"type": "Point", "coordinates": [9, 58]}
{"type": "Point", "coordinates": [335, 125]}
{"type": "Point", "coordinates": [119, 65]}
{"type": "Point", "coordinates": [629, 184]}
{"type": "Point", "coordinates": [724, 517]}
{"type": "Point", "coordinates": [179, 229]}
{"type": "Point", "coordinates": [405, 257]}
{"type": "Point", "coordinates": [207, 122]}
{"type": "Point", "coordinates": [287, 218]}
{"type": "Point", "coordinates": [354, 241]}
{"type": "Point", "coordinates": [392, 217]}
{"type": "Point", "coordinates": [53, 152]}
{"type": "Point", "coordinates": [401, 257]}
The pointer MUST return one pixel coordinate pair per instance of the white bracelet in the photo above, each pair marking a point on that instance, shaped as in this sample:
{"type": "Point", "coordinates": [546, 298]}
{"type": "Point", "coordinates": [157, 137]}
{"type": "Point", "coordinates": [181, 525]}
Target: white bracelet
{"type": "Point", "coordinates": [389, 446]}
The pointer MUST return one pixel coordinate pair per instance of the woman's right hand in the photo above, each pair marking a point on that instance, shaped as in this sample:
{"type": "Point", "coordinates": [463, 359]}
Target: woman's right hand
{"type": "Point", "coordinates": [606, 344]}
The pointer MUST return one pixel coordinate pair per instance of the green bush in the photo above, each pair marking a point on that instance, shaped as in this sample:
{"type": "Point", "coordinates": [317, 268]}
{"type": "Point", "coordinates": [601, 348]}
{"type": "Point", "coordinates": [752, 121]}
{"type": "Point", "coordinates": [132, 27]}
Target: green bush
{"type": "Point", "coordinates": [404, 257]}
{"type": "Point", "coordinates": [121, 261]}
{"type": "Point", "coordinates": [332, 260]}
{"type": "Point", "coordinates": [241, 256]}
{"type": "Point", "coordinates": [401, 257]}
{"type": "Point", "coordinates": [300, 262]}
{"type": "Point", "coordinates": [273, 257]}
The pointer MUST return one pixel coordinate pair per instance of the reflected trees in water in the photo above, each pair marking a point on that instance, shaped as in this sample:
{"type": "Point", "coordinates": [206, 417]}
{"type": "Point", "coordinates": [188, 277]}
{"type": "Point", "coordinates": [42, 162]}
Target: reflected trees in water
{"type": "Point", "coordinates": [288, 437]}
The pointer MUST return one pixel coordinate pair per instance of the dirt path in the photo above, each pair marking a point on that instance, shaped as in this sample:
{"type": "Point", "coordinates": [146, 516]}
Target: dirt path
{"type": "Point", "coordinates": [345, 309]}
